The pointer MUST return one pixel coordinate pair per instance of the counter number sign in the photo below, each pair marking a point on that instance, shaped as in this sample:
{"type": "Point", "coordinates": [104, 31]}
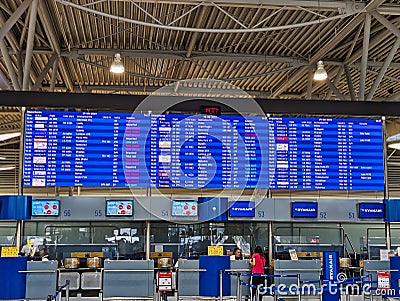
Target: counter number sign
{"type": "Point", "coordinates": [215, 250]}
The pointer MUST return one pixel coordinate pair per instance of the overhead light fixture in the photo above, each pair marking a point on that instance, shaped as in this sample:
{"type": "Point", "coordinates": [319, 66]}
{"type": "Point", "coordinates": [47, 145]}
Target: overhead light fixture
{"type": "Point", "coordinates": [9, 135]}
{"type": "Point", "coordinates": [117, 66]}
{"type": "Point", "coordinates": [393, 141]}
{"type": "Point", "coordinates": [320, 74]}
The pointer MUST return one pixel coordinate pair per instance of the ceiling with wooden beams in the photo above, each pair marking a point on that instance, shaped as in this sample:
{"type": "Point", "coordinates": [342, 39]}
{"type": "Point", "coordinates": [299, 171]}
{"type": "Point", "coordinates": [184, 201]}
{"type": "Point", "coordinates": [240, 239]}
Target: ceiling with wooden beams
{"type": "Point", "coordinates": [268, 48]}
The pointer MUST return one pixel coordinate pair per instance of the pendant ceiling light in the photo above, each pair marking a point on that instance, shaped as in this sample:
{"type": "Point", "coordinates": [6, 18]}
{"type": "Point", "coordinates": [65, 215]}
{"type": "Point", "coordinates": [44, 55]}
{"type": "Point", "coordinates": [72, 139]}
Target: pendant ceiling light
{"type": "Point", "coordinates": [320, 74]}
{"type": "Point", "coordinates": [117, 66]}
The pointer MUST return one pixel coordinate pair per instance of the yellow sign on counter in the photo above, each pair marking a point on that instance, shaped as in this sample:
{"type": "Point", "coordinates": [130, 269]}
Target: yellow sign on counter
{"type": "Point", "coordinates": [9, 252]}
{"type": "Point", "coordinates": [160, 254]}
{"type": "Point", "coordinates": [215, 250]}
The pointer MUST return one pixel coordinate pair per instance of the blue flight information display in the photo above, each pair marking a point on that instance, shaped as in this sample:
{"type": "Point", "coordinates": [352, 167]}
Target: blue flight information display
{"type": "Point", "coordinates": [104, 149]}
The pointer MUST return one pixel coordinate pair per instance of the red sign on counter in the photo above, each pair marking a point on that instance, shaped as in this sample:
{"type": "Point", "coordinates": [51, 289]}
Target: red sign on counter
{"type": "Point", "coordinates": [383, 280]}
{"type": "Point", "coordinates": [164, 281]}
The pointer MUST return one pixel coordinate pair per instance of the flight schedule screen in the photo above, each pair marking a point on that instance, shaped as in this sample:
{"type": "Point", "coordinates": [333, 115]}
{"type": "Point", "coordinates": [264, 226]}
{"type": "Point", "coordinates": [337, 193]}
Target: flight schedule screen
{"type": "Point", "coordinates": [103, 149]}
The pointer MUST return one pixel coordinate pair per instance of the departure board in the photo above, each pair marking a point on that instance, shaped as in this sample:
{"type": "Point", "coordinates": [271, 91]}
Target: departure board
{"type": "Point", "coordinates": [103, 149]}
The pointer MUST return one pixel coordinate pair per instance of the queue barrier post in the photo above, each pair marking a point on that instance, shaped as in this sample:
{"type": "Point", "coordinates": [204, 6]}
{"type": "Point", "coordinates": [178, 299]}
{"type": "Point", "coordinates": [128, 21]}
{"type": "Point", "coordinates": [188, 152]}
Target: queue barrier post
{"type": "Point", "coordinates": [370, 292]}
{"type": "Point", "coordinates": [220, 285]}
{"type": "Point", "coordinates": [155, 297]}
{"type": "Point", "coordinates": [66, 290]}
{"type": "Point", "coordinates": [298, 287]}
{"type": "Point", "coordinates": [238, 288]}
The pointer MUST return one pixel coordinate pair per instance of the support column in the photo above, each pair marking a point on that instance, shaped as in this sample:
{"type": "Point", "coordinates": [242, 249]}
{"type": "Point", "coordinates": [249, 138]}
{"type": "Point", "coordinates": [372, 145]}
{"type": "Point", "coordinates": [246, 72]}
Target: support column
{"type": "Point", "coordinates": [21, 154]}
{"type": "Point", "coordinates": [29, 44]}
{"type": "Point", "coordinates": [387, 235]}
{"type": "Point", "coordinates": [270, 240]}
{"type": "Point", "coordinates": [386, 188]}
{"type": "Point", "coordinates": [148, 225]}
{"type": "Point", "coordinates": [18, 234]}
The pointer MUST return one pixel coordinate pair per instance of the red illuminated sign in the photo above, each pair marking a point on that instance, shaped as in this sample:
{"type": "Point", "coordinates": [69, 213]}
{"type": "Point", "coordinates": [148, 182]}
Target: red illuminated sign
{"type": "Point", "coordinates": [211, 110]}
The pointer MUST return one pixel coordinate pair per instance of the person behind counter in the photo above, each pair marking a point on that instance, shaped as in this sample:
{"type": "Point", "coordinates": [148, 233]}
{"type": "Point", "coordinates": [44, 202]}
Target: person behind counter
{"type": "Point", "coordinates": [44, 254]}
{"type": "Point", "coordinates": [236, 254]}
{"type": "Point", "coordinates": [28, 250]}
{"type": "Point", "coordinates": [257, 263]}
{"type": "Point", "coordinates": [25, 250]}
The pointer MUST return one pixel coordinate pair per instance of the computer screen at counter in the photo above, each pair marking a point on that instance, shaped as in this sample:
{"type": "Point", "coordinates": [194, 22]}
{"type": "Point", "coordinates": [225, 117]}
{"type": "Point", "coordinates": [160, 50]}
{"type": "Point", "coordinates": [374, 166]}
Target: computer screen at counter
{"type": "Point", "coordinates": [119, 208]}
{"type": "Point", "coordinates": [184, 208]}
{"type": "Point", "coordinates": [98, 149]}
{"type": "Point", "coordinates": [45, 207]}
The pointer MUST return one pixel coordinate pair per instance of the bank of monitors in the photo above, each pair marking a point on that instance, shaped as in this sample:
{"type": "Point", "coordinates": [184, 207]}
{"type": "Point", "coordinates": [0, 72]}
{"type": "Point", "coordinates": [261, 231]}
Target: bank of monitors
{"type": "Point", "coordinates": [241, 209]}
{"type": "Point", "coordinates": [49, 207]}
{"type": "Point", "coordinates": [63, 148]}
{"type": "Point", "coordinates": [371, 210]}
{"type": "Point", "coordinates": [184, 208]}
{"type": "Point", "coordinates": [304, 209]}
{"type": "Point", "coordinates": [119, 207]}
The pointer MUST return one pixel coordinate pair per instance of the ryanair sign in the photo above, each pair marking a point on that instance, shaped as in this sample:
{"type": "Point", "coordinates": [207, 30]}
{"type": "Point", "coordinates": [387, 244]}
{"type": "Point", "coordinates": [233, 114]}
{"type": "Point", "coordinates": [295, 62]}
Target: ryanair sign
{"type": "Point", "coordinates": [371, 210]}
{"type": "Point", "coordinates": [241, 209]}
{"type": "Point", "coordinates": [304, 209]}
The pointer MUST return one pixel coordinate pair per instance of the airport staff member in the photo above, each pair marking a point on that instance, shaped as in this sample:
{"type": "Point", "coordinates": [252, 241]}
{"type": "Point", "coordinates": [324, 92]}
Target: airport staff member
{"type": "Point", "coordinates": [237, 254]}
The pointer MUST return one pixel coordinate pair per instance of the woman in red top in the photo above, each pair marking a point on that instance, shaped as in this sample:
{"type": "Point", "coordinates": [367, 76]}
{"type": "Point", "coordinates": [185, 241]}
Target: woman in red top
{"type": "Point", "coordinates": [257, 262]}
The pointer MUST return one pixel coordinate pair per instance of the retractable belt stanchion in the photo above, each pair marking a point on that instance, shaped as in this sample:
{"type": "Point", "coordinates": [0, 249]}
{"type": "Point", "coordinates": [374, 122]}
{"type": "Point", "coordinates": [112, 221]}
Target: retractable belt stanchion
{"type": "Point", "coordinates": [66, 291]}
{"type": "Point", "coordinates": [298, 287]}
{"type": "Point", "coordinates": [238, 288]}
{"type": "Point", "coordinates": [220, 285]}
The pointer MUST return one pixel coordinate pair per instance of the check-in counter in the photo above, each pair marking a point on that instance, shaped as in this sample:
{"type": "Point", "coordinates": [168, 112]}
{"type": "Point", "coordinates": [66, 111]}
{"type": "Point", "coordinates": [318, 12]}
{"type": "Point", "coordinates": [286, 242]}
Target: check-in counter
{"type": "Point", "coordinates": [13, 282]}
{"type": "Point", "coordinates": [41, 279]}
{"type": "Point", "coordinates": [308, 270]}
{"type": "Point", "coordinates": [189, 273]}
{"type": "Point", "coordinates": [128, 278]}
{"type": "Point", "coordinates": [188, 277]}
{"type": "Point", "coordinates": [373, 266]}
{"type": "Point", "coordinates": [243, 267]}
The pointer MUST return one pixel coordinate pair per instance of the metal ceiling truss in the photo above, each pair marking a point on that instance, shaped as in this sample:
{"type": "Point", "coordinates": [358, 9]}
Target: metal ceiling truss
{"type": "Point", "coordinates": [332, 43]}
{"type": "Point", "coordinates": [288, 4]}
{"type": "Point", "coordinates": [56, 56]}
{"type": "Point", "coordinates": [243, 29]}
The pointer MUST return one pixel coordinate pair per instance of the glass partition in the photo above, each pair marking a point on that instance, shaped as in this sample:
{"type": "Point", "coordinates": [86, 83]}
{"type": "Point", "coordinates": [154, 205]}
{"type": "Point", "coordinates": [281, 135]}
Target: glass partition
{"type": "Point", "coordinates": [122, 240]}
{"type": "Point", "coordinates": [307, 240]}
{"type": "Point", "coordinates": [7, 233]}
